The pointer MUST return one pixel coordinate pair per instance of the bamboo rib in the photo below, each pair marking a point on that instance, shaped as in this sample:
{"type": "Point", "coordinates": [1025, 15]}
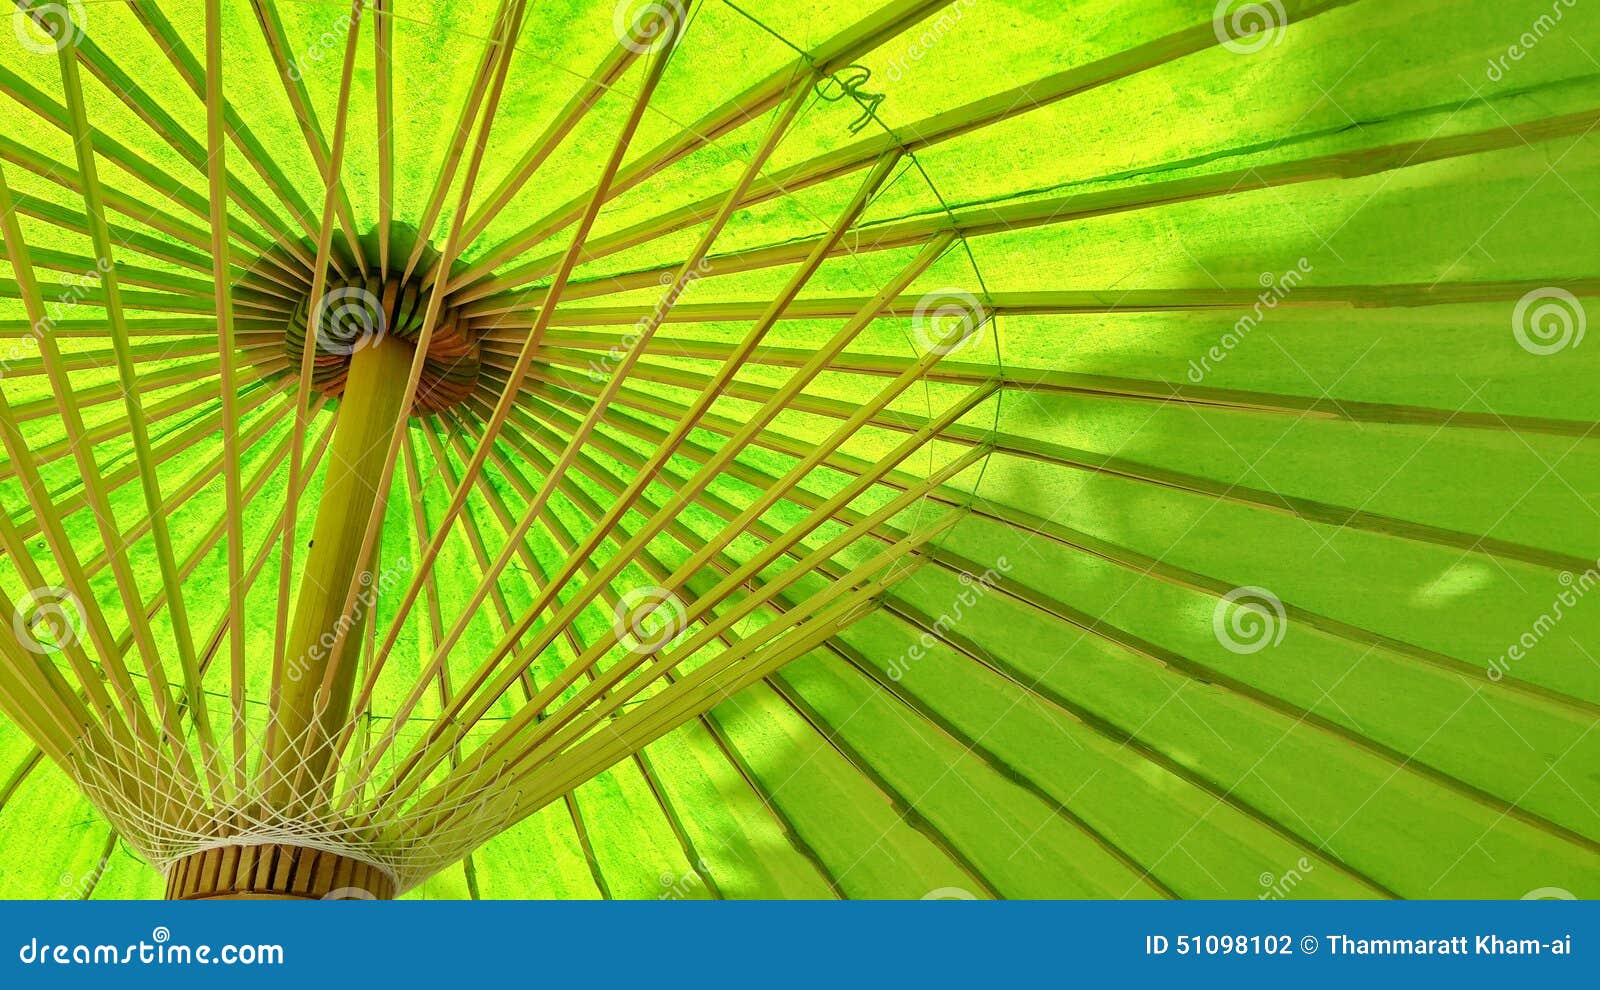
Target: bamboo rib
{"type": "Point", "coordinates": [163, 185]}
{"type": "Point", "coordinates": [47, 687]}
{"type": "Point", "coordinates": [1209, 675]}
{"type": "Point", "coordinates": [830, 611]}
{"type": "Point", "coordinates": [708, 395]}
{"type": "Point", "coordinates": [476, 541]}
{"type": "Point", "coordinates": [209, 541]}
{"type": "Point", "coordinates": [183, 253]}
{"type": "Point", "coordinates": [140, 210]}
{"type": "Point", "coordinates": [382, 45]}
{"type": "Point", "coordinates": [1099, 386]}
{"type": "Point", "coordinates": [576, 109]}
{"type": "Point", "coordinates": [1121, 556]}
{"type": "Point", "coordinates": [1050, 303]}
{"type": "Point", "coordinates": [48, 452]}
{"type": "Point", "coordinates": [419, 515]}
{"type": "Point", "coordinates": [252, 488]}
{"type": "Point", "coordinates": [217, 174]}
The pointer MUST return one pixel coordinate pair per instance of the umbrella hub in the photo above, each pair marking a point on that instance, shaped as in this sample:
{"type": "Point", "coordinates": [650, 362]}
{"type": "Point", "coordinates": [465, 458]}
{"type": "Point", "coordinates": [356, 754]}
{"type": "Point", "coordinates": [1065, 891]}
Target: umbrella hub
{"type": "Point", "coordinates": [355, 314]}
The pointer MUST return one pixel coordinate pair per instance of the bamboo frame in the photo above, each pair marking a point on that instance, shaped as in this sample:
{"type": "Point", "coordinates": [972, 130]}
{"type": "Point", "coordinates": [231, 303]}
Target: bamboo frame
{"type": "Point", "coordinates": [735, 556]}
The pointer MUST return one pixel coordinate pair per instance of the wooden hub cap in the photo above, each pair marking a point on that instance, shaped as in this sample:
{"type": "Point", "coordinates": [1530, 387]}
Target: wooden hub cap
{"type": "Point", "coordinates": [275, 872]}
{"type": "Point", "coordinates": [358, 314]}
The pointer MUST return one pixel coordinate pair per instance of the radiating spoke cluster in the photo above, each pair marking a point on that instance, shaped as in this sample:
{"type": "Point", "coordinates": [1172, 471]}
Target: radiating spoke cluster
{"type": "Point", "coordinates": [452, 695]}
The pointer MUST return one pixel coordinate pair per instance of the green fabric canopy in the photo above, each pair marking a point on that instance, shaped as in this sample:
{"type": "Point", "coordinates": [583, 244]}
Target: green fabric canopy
{"type": "Point", "coordinates": [1059, 448]}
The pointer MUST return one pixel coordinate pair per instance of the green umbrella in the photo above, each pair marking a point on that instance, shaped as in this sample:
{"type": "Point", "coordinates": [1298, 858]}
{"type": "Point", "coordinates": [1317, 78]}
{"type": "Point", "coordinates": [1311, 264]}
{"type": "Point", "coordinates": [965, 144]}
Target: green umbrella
{"type": "Point", "coordinates": [687, 448]}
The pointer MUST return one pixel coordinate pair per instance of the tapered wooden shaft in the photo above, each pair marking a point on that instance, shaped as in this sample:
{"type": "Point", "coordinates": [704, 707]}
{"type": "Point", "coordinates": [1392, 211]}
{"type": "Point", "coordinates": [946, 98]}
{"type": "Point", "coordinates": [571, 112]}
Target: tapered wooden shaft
{"type": "Point", "coordinates": [370, 407]}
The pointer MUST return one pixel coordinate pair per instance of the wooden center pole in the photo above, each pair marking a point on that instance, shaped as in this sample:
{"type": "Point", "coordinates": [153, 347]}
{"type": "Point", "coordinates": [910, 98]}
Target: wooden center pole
{"type": "Point", "coordinates": [297, 748]}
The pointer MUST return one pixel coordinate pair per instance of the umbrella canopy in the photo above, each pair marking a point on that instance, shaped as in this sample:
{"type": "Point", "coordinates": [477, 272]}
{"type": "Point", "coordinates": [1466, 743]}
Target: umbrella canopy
{"type": "Point", "coordinates": [687, 448]}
